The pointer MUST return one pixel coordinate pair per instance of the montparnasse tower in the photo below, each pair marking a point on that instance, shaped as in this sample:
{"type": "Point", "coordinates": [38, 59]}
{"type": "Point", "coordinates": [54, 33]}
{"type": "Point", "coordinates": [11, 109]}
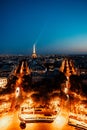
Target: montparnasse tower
{"type": "Point", "coordinates": [34, 55]}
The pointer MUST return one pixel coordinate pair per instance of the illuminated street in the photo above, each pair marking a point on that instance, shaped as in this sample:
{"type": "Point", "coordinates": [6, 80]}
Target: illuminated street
{"type": "Point", "coordinates": [11, 122]}
{"type": "Point", "coordinates": [43, 65]}
{"type": "Point", "coordinates": [27, 108]}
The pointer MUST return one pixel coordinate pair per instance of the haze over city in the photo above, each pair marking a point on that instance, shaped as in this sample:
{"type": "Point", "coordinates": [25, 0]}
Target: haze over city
{"type": "Point", "coordinates": [55, 26]}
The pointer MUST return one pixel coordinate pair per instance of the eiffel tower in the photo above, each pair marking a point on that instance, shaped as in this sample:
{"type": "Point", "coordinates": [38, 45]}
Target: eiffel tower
{"type": "Point", "coordinates": [34, 55]}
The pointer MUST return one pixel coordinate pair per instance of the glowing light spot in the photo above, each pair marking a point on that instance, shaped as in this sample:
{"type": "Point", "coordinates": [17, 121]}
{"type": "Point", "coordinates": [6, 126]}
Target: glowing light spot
{"type": "Point", "coordinates": [60, 121]}
{"type": "Point", "coordinates": [17, 93]}
{"type": "Point", "coordinates": [5, 122]}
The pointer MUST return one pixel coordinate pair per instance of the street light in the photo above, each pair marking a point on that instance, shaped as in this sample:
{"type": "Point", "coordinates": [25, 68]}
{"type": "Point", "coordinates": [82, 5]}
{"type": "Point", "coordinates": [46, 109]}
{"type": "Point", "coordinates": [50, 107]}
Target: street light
{"type": "Point", "coordinates": [17, 92]}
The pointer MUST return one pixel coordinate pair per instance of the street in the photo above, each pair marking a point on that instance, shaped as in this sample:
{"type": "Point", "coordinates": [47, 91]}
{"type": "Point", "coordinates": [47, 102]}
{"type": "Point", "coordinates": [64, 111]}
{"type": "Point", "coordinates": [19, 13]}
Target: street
{"type": "Point", "coordinates": [10, 121]}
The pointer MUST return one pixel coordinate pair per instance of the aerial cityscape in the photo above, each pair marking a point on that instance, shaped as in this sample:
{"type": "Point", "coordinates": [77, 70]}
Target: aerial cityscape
{"type": "Point", "coordinates": [43, 65]}
{"type": "Point", "coordinates": [36, 90]}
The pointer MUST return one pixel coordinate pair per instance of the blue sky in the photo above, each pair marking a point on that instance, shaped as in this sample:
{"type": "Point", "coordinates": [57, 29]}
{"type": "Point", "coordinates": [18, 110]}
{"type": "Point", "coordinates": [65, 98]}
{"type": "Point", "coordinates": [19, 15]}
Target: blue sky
{"type": "Point", "coordinates": [55, 26]}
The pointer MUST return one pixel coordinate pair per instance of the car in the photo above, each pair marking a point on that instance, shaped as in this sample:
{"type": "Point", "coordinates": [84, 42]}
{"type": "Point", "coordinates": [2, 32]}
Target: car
{"type": "Point", "coordinates": [73, 121]}
{"type": "Point", "coordinates": [33, 115]}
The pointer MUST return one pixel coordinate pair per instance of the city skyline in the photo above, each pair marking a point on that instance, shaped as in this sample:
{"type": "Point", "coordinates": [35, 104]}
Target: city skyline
{"type": "Point", "coordinates": [55, 27]}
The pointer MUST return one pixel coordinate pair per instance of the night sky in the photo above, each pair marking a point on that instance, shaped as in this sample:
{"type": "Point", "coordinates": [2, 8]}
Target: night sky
{"type": "Point", "coordinates": [55, 26]}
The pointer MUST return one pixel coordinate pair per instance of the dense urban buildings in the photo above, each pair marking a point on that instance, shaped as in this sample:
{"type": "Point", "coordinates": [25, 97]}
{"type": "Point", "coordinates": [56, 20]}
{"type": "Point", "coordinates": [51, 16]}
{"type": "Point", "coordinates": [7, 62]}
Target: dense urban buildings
{"type": "Point", "coordinates": [40, 88]}
{"type": "Point", "coordinates": [43, 64]}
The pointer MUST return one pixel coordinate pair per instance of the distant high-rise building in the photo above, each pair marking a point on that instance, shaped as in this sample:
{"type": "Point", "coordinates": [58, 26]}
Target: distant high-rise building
{"type": "Point", "coordinates": [34, 55]}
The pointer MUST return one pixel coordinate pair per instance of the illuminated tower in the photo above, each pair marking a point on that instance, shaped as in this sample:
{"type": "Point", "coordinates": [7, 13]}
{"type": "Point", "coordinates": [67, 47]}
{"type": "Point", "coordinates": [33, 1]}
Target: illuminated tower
{"type": "Point", "coordinates": [34, 55]}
